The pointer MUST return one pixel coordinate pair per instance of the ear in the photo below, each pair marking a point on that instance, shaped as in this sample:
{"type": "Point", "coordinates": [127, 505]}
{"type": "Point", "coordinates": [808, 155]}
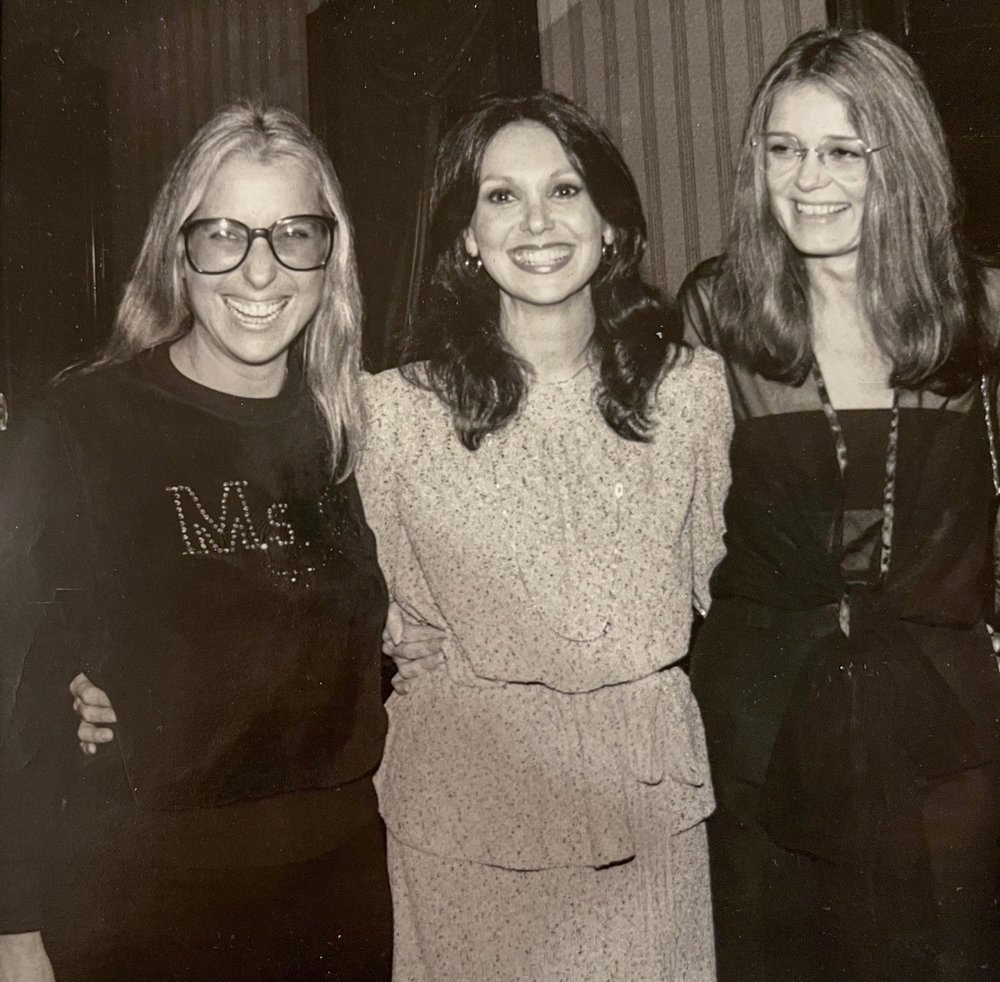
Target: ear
{"type": "Point", "coordinates": [470, 243]}
{"type": "Point", "coordinates": [608, 235]}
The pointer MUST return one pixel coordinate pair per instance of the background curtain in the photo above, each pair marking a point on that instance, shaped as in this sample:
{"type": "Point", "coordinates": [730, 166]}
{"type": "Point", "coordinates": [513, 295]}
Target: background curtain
{"type": "Point", "coordinates": [671, 80]}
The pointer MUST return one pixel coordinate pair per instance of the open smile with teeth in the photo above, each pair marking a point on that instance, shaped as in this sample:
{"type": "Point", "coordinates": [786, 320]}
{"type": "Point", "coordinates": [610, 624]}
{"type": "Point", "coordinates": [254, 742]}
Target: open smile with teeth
{"type": "Point", "coordinates": [819, 210]}
{"type": "Point", "coordinates": [541, 259]}
{"type": "Point", "coordinates": [257, 313]}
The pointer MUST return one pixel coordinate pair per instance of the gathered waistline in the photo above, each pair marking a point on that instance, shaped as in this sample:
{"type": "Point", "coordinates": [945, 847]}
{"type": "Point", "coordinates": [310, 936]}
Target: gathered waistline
{"type": "Point", "coordinates": [808, 622]}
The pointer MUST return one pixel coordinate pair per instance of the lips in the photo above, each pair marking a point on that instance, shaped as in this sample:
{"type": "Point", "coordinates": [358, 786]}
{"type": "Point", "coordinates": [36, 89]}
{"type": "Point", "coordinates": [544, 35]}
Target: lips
{"type": "Point", "coordinates": [541, 259]}
{"type": "Point", "coordinates": [257, 313]}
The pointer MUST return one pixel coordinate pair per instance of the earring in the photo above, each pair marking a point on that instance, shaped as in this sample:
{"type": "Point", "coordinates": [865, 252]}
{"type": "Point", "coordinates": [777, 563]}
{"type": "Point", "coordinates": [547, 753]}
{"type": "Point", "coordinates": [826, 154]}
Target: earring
{"type": "Point", "coordinates": [473, 263]}
{"type": "Point", "coordinates": [609, 250]}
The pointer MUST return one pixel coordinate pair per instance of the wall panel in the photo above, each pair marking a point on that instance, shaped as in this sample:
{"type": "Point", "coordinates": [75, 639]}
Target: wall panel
{"type": "Point", "coordinates": [671, 81]}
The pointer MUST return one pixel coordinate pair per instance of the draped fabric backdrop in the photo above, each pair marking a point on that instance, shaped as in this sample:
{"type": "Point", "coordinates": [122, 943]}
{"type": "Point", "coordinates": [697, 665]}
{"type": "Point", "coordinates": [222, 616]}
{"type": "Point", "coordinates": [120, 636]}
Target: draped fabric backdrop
{"type": "Point", "coordinates": [170, 63]}
{"type": "Point", "coordinates": [671, 81]}
{"type": "Point", "coordinates": [98, 98]}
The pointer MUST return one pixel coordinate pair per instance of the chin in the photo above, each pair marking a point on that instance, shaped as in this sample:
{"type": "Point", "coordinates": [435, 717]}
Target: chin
{"type": "Point", "coordinates": [811, 249]}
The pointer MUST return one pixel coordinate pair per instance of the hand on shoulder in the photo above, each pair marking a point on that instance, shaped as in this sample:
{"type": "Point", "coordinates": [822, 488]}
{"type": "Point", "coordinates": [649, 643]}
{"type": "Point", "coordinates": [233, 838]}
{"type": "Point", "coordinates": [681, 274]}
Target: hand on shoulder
{"type": "Point", "coordinates": [23, 958]}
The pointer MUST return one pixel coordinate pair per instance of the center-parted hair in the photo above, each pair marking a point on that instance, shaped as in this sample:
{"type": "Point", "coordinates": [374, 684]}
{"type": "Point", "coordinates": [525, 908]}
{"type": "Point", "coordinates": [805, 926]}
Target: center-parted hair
{"type": "Point", "coordinates": [456, 336]}
{"type": "Point", "coordinates": [154, 307]}
{"type": "Point", "coordinates": [921, 293]}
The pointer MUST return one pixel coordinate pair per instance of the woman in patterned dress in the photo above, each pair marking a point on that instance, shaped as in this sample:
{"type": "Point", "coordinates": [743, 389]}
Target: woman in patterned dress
{"type": "Point", "coordinates": [545, 483]}
{"type": "Point", "coordinates": [845, 673]}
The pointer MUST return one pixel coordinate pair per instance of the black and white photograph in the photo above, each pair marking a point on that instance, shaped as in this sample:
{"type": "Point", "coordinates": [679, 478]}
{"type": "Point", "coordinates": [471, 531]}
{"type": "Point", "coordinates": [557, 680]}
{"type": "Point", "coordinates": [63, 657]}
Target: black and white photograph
{"type": "Point", "coordinates": [500, 491]}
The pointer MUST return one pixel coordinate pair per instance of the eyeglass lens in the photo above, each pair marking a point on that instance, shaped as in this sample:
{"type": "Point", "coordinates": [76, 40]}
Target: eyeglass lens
{"type": "Point", "coordinates": [842, 156]}
{"type": "Point", "coordinates": [219, 245]}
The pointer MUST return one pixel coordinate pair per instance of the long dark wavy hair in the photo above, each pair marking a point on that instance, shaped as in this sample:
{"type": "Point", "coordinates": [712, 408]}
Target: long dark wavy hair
{"type": "Point", "coordinates": [455, 347]}
{"type": "Point", "coordinates": [922, 293]}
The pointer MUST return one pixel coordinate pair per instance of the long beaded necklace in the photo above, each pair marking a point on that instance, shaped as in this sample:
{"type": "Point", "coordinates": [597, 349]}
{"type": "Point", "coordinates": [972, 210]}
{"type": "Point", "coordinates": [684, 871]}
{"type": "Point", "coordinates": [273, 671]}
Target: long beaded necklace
{"type": "Point", "coordinates": [888, 486]}
{"type": "Point", "coordinates": [984, 388]}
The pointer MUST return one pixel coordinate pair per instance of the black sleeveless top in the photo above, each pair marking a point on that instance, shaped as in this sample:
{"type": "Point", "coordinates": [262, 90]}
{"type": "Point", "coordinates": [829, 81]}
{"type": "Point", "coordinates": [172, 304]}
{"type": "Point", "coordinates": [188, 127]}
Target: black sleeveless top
{"type": "Point", "coordinates": [825, 722]}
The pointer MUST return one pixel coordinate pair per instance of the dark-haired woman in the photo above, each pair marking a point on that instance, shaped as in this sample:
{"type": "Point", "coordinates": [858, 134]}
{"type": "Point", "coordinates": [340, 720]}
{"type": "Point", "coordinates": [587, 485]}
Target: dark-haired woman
{"type": "Point", "coordinates": [545, 483]}
{"type": "Point", "coordinates": [846, 677]}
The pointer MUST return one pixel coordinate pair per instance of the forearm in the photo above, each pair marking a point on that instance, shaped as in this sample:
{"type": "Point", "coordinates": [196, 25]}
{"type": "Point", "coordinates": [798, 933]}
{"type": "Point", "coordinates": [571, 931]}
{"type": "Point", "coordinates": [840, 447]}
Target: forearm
{"type": "Point", "coordinates": [23, 958]}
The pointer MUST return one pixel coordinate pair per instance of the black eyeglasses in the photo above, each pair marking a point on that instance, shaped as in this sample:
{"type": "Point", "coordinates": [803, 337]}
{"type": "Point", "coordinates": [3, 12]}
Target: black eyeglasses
{"type": "Point", "coordinates": [219, 245]}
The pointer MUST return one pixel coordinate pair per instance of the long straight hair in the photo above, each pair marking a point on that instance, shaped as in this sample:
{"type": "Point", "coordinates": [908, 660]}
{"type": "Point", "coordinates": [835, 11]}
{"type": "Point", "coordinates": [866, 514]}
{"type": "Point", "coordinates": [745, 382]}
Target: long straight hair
{"type": "Point", "coordinates": [154, 308]}
{"type": "Point", "coordinates": [457, 338]}
{"type": "Point", "coordinates": [921, 293]}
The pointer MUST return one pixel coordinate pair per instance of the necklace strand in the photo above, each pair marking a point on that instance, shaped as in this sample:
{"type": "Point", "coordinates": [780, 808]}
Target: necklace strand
{"type": "Point", "coordinates": [888, 487]}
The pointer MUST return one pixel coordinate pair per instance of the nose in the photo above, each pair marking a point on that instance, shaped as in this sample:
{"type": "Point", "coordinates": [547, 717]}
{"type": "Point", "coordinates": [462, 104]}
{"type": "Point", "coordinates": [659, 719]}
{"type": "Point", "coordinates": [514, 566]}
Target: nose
{"type": "Point", "coordinates": [260, 266]}
{"type": "Point", "coordinates": [536, 218]}
{"type": "Point", "coordinates": [811, 172]}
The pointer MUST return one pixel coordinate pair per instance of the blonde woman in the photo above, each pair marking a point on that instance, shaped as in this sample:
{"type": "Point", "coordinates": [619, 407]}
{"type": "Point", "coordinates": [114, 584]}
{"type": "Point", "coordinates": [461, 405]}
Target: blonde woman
{"type": "Point", "coordinates": [186, 530]}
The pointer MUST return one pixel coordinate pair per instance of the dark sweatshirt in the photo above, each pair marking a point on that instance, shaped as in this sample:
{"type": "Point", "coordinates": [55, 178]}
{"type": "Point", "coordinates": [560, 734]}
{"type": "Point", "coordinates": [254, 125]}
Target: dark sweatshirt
{"type": "Point", "coordinates": [189, 551]}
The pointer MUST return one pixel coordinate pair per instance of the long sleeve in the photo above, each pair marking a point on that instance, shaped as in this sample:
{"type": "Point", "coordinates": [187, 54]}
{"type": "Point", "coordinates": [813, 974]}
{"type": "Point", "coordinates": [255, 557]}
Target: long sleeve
{"type": "Point", "coordinates": [695, 301]}
{"type": "Point", "coordinates": [43, 582]}
{"type": "Point", "coordinates": [387, 446]}
{"type": "Point", "coordinates": [712, 477]}
{"type": "Point", "coordinates": [376, 478]}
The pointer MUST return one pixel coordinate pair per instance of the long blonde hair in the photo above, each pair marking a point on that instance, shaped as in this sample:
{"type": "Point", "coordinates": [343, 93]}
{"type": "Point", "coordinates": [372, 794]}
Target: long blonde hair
{"type": "Point", "coordinates": [154, 307]}
{"type": "Point", "coordinates": [922, 292]}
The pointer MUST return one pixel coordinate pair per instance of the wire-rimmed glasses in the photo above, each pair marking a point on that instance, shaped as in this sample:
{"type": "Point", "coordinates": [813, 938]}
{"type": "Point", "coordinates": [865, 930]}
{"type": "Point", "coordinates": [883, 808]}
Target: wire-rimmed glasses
{"type": "Point", "coordinates": [845, 157]}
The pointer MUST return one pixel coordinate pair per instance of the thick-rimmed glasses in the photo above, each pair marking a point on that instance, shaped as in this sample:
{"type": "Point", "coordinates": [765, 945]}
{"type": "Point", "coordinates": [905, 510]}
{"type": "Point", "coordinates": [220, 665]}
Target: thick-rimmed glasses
{"type": "Point", "coordinates": [219, 245]}
{"type": "Point", "coordinates": [845, 157]}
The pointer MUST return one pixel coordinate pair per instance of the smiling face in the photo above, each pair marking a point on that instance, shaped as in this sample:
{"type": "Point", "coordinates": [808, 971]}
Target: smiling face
{"type": "Point", "coordinates": [535, 227]}
{"type": "Point", "coordinates": [244, 321]}
{"type": "Point", "coordinates": [821, 215]}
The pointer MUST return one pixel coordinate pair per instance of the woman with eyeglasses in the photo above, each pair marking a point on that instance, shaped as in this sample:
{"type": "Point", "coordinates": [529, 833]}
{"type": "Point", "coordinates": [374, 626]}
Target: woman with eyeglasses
{"type": "Point", "coordinates": [545, 476]}
{"type": "Point", "coordinates": [845, 672]}
{"type": "Point", "coordinates": [182, 524]}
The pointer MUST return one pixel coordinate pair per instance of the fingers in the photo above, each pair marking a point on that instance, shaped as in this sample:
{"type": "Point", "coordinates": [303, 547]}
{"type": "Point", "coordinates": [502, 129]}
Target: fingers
{"type": "Point", "coordinates": [93, 714]}
{"type": "Point", "coordinates": [393, 631]}
{"type": "Point", "coordinates": [91, 736]}
{"type": "Point", "coordinates": [417, 641]}
{"type": "Point", "coordinates": [85, 690]}
{"type": "Point", "coordinates": [413, 632]}
{"type": "Point", "coordinates": [412, 669]}
{"type": "Point", "coordinates": [88, 733]}
{"type": "Point", "coordinates": [93, 706]}
{"type": "Point", "coordinates": [413, 650]}
{"type": "Point", "coordinates": [414, 645]}
{"type": "Point", "coordinates": [78, 684]}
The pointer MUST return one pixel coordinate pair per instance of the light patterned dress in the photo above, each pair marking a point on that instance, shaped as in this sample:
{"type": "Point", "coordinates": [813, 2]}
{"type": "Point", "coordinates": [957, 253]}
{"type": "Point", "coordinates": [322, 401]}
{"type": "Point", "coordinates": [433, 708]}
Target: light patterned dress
{"type": "Point", "coordinates": [545, 792]}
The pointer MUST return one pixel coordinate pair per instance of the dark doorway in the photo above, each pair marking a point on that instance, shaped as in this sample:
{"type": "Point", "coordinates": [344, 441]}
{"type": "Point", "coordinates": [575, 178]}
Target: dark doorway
{"type": "Point", "coordinates": [386, 78]}
{"type": "Point", "coordinates": [54, 162]}
{"type": "Point", "coordinates": [957, 45]}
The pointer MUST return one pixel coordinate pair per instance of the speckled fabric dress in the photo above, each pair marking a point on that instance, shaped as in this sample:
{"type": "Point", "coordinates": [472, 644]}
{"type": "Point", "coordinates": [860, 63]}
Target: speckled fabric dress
{"type": "Point", "coordinates": [545, 793]}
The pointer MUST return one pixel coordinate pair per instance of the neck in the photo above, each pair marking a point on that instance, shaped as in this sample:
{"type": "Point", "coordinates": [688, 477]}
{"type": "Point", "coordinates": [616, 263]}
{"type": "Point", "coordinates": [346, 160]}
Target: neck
{"type": "Point", "coordinates": [837, 314]}
{"type": "Point", "coordinates": [833, 278]}
{"type": "Point", "coordinates": [203, 364]}
{"type": "Point", "coordinates": [854, 367]}
{"type": "Point", "coordinates": [554, 340]}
